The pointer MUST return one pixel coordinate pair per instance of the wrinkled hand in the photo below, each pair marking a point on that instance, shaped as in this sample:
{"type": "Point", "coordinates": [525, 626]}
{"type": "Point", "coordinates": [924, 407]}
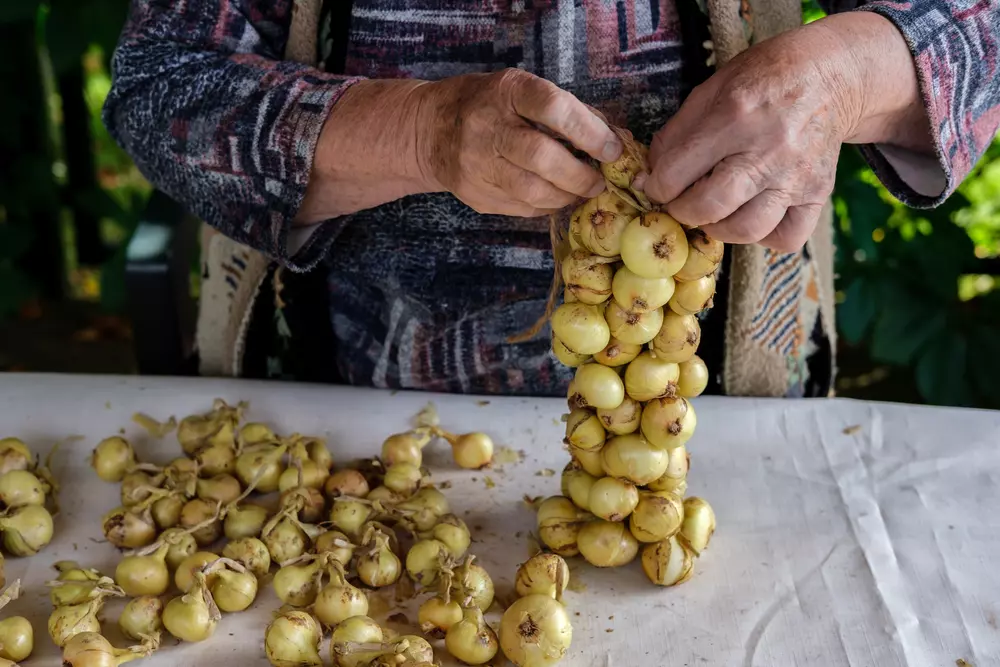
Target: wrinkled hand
{"type": "Point", "coordinates": [490, 143]}
{"type": "Point", "coordinates": [752, 153]}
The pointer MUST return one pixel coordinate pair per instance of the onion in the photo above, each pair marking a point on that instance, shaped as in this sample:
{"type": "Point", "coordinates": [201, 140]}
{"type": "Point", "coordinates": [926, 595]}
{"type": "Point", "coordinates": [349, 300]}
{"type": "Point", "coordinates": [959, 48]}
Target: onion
{"type": "Point", "coordinates": [261, 465]}
{"type": "Point", "coordinates": [559, 523]}
{"type": "Point", "coordinates": [292, 639]}
{"type": "Point", "coordinates": [590, 461]}
{"type": "Point", "coordinates": [698, 525]}
{"type": "Point", "coordinates": [436, 615]}
{"type": "Point", "coordinates": [137, 486]}
{"type": "Point", "coordinates": [167, 510]}
{"type": "Point", "coordinates": [704, 256]}
{"type": "Point", "coordinates": [624, 419]}
{"type": "Point", "coordinates": [584, 430]}
{"type": "Point", "coordinates": [668, 422]}
{"type": "Point", "coordinates": [542, 574]}
{"type": "Point", "coordinates": [254, 433]}
{"type": "Point", "coordinates": [298, 585]}
{"type": "Point", "coordinates": [339, 600]}
{"type": "Point", "coordinates": [676, 473]}
{"type": "Point", "coordinates": [144, 574]}
{"type": "Point", "coordinates": [311, 476]}
{"type": "Point", "coordinates": [474, 582]}
{"type": "Point", "coordinates": [141, 617]}
{"type": "Point", "coordinates": [678, 338]}
{"type": "Point", "coordinates": [21, 487]}
{"type": "Point", "coordinates": [234, 588]}
{"type": "Point", "coordinates": [575, 223]}
{"type": "Point", "coordinates": [471, 640]}
{"type": "Point", "coordinates": [308, 504]}
{"type": "Point", "coordinates": [602, 221]}
{"type": "Point", "coordinates": [26, 530]}
{"type": "Point", "coordinates": [654, 246]}
{"type": "Point", "coordinates": [667, 563]}
{"type": "Point", "coordinates": [691, 298]}
{"type": "Point", "coordinates": [378, 566]}
{"type": "Point", "coordinates": [581, 327]}
{"type": "Point", "coordinates": [15, 455]}
{"type": "Point", "coordinates": [600, 386]}
{"type": "Point", "coordinates": [576, 483]}
{"type": "Point", "coordinates": [349, 514]}
{"type": "Point", "coordinates": [424, 508]}
{"type": "Point", "coordinates": [192, 617]}
{"type": "Point", "coordinates": [91, 649]}
{"type": "Point", "coordinates": [616, 353]}
{"type": "Point", "coordinates": [403, 448]}
{"type": "Point", "coordinates": [251, 553]}
{"type": "Point", "coordinates": [535, 631]}
{"type": "Point", "coordinates": [222, 488]}
{"type": "Point", "coordinates": [184, 576]}
{"type": "Point", "coordinates": [641, 295]}
{"type": "Point", "coordinates": [650, 377]}
{"type": "Point", "coordinates": [219, 459]}
{"type": "Point", "coordinates": [112, 458]}
{"type": "Point", "coordinates": [285, 536]}
{"type": "Point", "coordinates": [693, 379]}
{"type": "Point", "coordinates": [607, 544]}
{"type": "Point", "coordinates": [384, 495]}
{"type": "Point", "coordinates": [346, 482]}
{"type": "Point", "coordinates": [631, 327]}
{"type": "Point", "coordinates": [64, 622]}
{"type": "Point", "coordinates": [17, 637]}
{"type": "Point", "coordinates": [403, 478]}
{"type": "Point", "coordinates": [612, 499]}
{"type": "Point", "coordinates": [336, 545]}
{"type": "Point", "coordinates": [197, 515]}
{"type": "Point", "coordinates": [452, 532]}
{"type": "Point", "coordinates": [348, 639]}
{"type": "Point", "coordinates": [472, 451]}
{"type": "Point", "coordinates": [656, 517]}
{"type": "Point", "coordinates": [631, 163]}
{"type": "Point", "coordinates": [566, 356]}
{"type": "Point", "coordinates": [587, 277]}
{"type": "Point", "coordinates": [632, 458]}
{"type": "Point", "coordinates": [244, 520]}
{"type": "Point", "coordinates": [425, 560]}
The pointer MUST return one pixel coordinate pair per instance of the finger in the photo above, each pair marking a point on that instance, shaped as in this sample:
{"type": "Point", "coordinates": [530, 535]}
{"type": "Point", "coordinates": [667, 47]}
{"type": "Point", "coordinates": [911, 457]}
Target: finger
{"type": "Point", "coordinates": [542, 155]}
{"type": "Point", "coordinates": [689, 145]}
{"type": "Point", "coordinates": [544, 102]}
{"type": "Point", "coordinates": [732, 183]}
{"type": "Point", "coordinates": [531, 189]}
{"type": "Point", "coordinates": [794, 229]}
{"type": "Point", "coordinates": [753, 221]}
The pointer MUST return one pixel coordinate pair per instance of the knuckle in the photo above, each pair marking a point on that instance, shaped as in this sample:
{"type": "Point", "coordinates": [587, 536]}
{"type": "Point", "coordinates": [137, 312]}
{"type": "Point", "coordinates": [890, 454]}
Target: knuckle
{"type": "Point", "coordinates": [739, 101]}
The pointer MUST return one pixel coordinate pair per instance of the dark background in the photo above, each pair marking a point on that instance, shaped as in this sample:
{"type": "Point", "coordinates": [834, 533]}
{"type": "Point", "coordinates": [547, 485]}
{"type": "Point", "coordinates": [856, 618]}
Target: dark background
{"type": "Point", "coordinates": [918, 312]}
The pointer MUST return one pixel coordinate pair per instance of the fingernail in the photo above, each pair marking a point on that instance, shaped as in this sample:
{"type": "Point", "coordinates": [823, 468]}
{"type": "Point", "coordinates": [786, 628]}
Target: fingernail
{"type": "Point", "coordinates": [597, 189]}
{"type": "Point", "coordinates": [612, 150]}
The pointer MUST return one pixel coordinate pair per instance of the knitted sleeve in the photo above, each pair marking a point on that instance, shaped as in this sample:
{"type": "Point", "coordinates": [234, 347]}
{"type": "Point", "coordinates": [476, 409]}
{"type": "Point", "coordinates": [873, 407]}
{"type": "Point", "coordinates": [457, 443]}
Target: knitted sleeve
{"type": "Point", "coordinates": [213, 117]}
{"type": "Point", "coordinates": [955, 49]}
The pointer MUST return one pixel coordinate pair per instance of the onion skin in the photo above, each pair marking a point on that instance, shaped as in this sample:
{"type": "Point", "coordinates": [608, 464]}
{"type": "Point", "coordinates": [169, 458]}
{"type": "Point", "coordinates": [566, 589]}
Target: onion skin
{"type": "Point", "coordinates": [667, 563]}
{"type": "Point", "coordinates": [581, 327]}
{"type": "Point", "coordinates": [693, 379]}
{"type": "Point", "coordinates": [699, 524]}
{"type": "Point", "coordinates": [668, 423]}
{"type": "Point", "coordinates": [704, 256]}
{"type": "Point", "coordinates": [293, 640]}
{"type": "Point", "coordinates": [17, 638]}
{"type": "Point", "coordinates": [678, 338]}
{"type": "Point", "coordinates": [607, 544]}
{"type": "Point", "coordinates": [542, 574]}
{"type": "Point", "coordinates": [535, 631]}
{"type": "Point", "coordinates": [654, 246]}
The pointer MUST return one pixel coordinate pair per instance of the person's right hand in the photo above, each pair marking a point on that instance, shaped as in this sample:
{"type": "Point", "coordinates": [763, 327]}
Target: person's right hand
{"type": "Point", "coordinates": [486, 142]}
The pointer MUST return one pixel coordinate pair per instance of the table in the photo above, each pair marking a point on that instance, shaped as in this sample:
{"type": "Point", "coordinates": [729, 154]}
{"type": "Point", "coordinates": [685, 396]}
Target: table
{"type": "Point", "coordinates": [849, 533]}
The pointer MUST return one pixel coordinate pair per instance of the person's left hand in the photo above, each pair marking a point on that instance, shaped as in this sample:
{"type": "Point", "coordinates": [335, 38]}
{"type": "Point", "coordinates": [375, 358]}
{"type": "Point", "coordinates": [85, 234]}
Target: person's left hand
{"type": "Point", "coordinates": [752, 153]}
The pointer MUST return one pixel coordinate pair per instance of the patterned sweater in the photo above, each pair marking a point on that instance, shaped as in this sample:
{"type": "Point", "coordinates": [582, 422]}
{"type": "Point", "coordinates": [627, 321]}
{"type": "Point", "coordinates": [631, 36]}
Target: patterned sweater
{"type": "Point", "coordinates": [423, 292]}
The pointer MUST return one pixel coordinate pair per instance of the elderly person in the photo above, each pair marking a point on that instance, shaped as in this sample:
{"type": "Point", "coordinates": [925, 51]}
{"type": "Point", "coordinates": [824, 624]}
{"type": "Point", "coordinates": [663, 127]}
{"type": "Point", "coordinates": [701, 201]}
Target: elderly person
{"type": "Point", "coordinates": [405, 180]}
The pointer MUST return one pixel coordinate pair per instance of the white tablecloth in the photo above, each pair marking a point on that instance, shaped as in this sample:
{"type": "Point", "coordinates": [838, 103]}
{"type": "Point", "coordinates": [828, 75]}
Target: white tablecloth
{"type": "Point", "coordinates": [848, 533]}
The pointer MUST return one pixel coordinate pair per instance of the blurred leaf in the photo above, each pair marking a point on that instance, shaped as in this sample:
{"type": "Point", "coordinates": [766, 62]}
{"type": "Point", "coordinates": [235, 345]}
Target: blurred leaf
{"type": "Point", "coordinates": [984, 362]}
{"type": "Point", "coordinates": [18, 10]}
{"type": "Point", "coordinates": [904, 324]}
{"type": "Point", "coordinates": [941, 371]}
{"type": "Point", "coordinates": [15, 240]}
{"type": "Point", "coordinates": [867, 212]}
{"type": "Point", "coordinates": [15, 288]}
{"type": "Point", "coordinates": [113, 282]}
{"type": "Point", "coordinates": [855, 314]}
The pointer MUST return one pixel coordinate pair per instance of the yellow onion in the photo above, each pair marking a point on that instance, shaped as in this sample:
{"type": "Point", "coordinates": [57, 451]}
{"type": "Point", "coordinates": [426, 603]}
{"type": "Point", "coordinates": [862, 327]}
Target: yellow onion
{"type": "Point", "coordinates": [678, 338]}
{"type": "Point", "coordinates": [218, 459]}
{"type": "Point", "coordinates": [251, 553]}
{"type": "Point", "coordinates": [349, 514]}
{"type": "Point", "coordinates": [66, 621]}
{"type": "Point", "coordinates": [632, 458]}
{"type": "Point", "coordinates": [184, 576]}
{"type": "Point", "coordinates": [356, 642]}
{"type": "Point", "coordinates": [452, 532]}
{"type": "Point", "coordinates": [201, 516]}
{"type": "Point", "coordinates": [473, 582]}
{"type": "Point", "coordinates": [292, 639]}
{"type": "Point", "coordinates": [535, 631]}
{"type": "Point", "coordinates": [704, 256]}
{"type": "Point", "coordinates": [650, 377]}
{"type": "Point", "coordinates": [312, 476]}
{"type": "Point", "coordinates": [425, 560]}
{"type": "Point", "coordinates": [472, 451]}
{"type": "Point", "coordinates": [244, 520]}
{"type": "Point", "coordinates": [624, 419]}
{"type": "Point", "coordinates": [581, 327]}
{"type": "Point", "coordinates": [403, 448]}
{"type": "Point", "coordinates": [673, 479]}
{"type": "Point", "coordinates": [378, 566]}
{"type": "Point", "coordinates": [14, 455]}
{"type": "Point", "coordinates": [640, 295]}
{"type": "Point", "coordinates": [654, 246]}
{"type": "Point", "coordinates": [17, 637]}
{"type": "Point", "coordinates": [632, 327]}
{"type": "Point", "coordinates": [566, 356]}
{"type": "Point", "coordinates": [576, 483]}
{"type": "Point", "coordinates": [693, 379]}
{"type": "Point", "coordinates": [584, 430]}
{"type": "Point", "coordinates": [286, 537]}
{"type": "Point", "coordinates": [298, 584]}
{"type": "Point", "coordinates": [144, 573]}
{"type": "Point", "coordinates": [112, 458]}
{"type": "Point", "coordinates": [26, 530]}
{"type": "Point", "coordinates": [307, 503]}
{"type": "Point", "coordinates": [602, 222]}
{"type": "Point", "coordinates": [192, 617]}
{"type": "Point", "coordinates": [607, 544]}
{"type": "Point", "coordinates": [339, 600]}
{"type": "Point", "coordinates": [255, 433]}
{"type": "Point", "coordinates": [21, 487]}
{"type": "Point", "coordinates": [137, 486]}
{"type": "Point", "coordinates": [542, 574]}
{"type": "Point", "coordinates": [233, 588]}
{"type": "Point", "coordinates": [166, 510]}
{"type": "Point", "coordinates": [667, 563]}
{"type": "Point", "coordinates": [668, 422]}
{"type": "Point", "coordinates": [92, 649]}
{"type": "Point", "coordinates": [471, 640]}
{"type": "Point", "coordinates": [617, 353]}
{"type": "Point", "coordinates": [346, 482]}
{"type": "Point", "coordinates": [424, 508]}
{"type": "Point", "coordinates": [436, 615]}
{"type": "Point", "coordinates": [656, 517]}
{"type": "Point", "coordinates": [600, 386]}
{"type": "Point", "coordinates": [587, 277]}
{"type": "Point", "coordinates": [590, 461]}
{"type": "Point", "coordinates": [222, 488]}
{"type": "Point", "coordinates": [261, 465]}
{"type": "Point", "coordinates": [141, 617]}
{"type": "Point", "coordinates": [384, 495]}
{"type": "Point", "coordinates": [698, 525]}
{"type": "Point", "coordinates": [612, 499]}
{"type": "Point", "coordinates": [337, 545]}
{"type": "Point", "coordinates": [691, 298]}
{"type": "Point", "coordinates": [559, 522]}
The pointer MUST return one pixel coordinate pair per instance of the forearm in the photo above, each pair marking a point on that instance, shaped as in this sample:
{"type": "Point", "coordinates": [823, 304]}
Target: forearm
{"type": "Point", "coordinates": [369, 152]}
